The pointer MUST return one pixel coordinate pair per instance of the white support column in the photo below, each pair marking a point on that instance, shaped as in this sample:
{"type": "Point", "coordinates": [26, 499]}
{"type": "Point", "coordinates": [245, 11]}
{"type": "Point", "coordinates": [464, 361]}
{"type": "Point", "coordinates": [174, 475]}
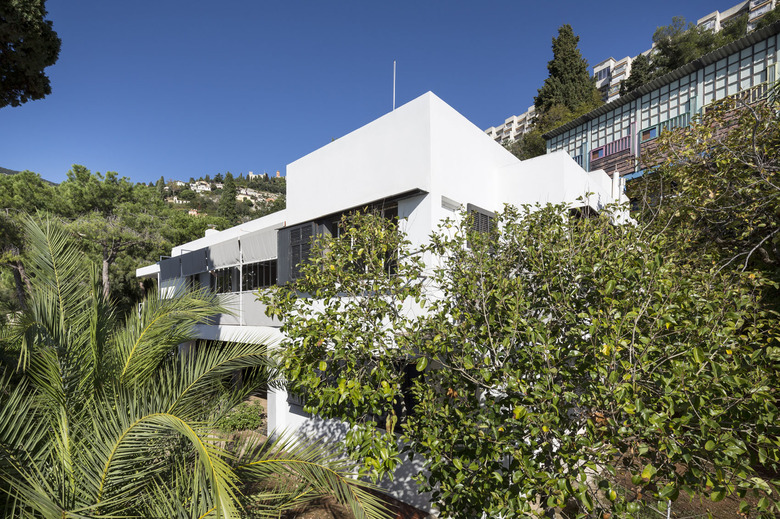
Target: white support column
{"type": "Point", "coordinates": [616, 186]}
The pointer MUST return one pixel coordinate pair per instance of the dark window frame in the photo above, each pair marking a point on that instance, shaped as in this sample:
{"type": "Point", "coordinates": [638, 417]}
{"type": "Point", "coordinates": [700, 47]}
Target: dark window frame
{"type": "Point", "coordinates": [259, 274]}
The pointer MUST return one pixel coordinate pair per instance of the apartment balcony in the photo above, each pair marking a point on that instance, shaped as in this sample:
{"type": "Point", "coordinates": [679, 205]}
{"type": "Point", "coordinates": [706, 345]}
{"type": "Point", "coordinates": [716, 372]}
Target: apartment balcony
{"type": "Point", "coordinates": [756, 3]}
{"type": "Point", "coordinates": [758, 13]}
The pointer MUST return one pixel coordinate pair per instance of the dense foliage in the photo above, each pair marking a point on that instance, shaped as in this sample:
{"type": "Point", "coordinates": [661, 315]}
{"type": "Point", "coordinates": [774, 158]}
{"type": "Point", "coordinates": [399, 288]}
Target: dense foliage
{"type": "Point", "coordinates": [227, 201]}
{"type": "Point", "coordinates": [641, 73]}
{"type": "Point", "coordinates": [719, 179]}
{"type": "Point", "coordinates": [245, 416]}
{"type": "Point", "coordinates": [109, 417]}
{"type": "Point", "coordinates": [28, 44]}
{"type": "Point", "coordinates": [569, 82]}
{"type": "Point", "coordinates": [560, 363]}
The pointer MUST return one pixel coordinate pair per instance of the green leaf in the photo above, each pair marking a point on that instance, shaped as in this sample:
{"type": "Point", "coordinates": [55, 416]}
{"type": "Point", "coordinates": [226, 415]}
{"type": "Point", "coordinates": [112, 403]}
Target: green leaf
{"type": "Point", "coordinates": [422, 363]}
{"type": "Point", "coordinates": [718, 494]}
{"type": "Point", "coordinates": [648, 472]}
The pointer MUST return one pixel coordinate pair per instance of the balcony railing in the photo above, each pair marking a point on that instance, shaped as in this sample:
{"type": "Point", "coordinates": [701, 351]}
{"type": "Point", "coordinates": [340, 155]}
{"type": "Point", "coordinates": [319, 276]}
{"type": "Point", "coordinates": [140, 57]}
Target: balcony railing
{"type": "Point", "coordinates": [756, 3]}
{"type": "Point", "coordinates": [759, 12]}
{"type": "Point", "coordinates": [675, 122]}
{"type": "Point", "coordinates": [617, 146]}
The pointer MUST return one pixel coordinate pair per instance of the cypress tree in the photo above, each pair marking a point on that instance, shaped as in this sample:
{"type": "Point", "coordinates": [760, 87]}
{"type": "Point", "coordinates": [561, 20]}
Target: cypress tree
{"type": "Point", "coordinates": [569, 83]}
{"type": "Point", "coordinates": [160, 185]}
{"type": "Point", "coordinates": [227, 201]}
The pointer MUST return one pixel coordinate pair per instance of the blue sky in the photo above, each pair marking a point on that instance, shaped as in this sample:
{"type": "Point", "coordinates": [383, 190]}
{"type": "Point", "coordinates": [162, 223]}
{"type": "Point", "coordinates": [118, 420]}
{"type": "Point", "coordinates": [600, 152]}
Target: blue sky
{"type": "Point", "coordinates": [188, 88]}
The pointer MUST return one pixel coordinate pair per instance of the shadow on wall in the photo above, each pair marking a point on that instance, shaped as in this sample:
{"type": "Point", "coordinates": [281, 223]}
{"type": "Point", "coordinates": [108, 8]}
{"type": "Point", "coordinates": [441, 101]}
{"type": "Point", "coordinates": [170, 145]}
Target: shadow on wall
{"type": "Point", "coordinates": [402, 487]}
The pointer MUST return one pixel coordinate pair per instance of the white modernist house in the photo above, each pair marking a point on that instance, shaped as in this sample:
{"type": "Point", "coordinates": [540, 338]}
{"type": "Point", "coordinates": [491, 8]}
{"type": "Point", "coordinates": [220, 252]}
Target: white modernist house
{"type": "Point", "coordinates": [423, 162]}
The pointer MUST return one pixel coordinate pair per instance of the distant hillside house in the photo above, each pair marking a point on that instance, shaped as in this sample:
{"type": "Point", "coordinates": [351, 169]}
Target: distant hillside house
{"type": "Point", "coordinates": [200, 186]}
{"type": "Point", "coordinates": [248, 191]}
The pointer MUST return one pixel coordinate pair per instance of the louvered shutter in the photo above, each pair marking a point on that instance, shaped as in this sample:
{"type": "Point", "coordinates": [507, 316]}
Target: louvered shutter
{"type": "Point", "coordinates": [300, 247]}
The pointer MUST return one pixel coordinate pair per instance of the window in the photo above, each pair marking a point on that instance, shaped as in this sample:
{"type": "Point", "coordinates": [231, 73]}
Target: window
{"type": "Point", "coordinates": [597, 154]}
{"type": "Point", "coordinates": [300, 247]}
{"type": "Point", "coordinates": [193, 281]}
{"type": "Point", "coordinates": [583, 212]}
{"type": "Point", "coordinates": [648, 134]}
{"type": "Point", "coordinates": [261, 274]}
{"type": "Point", "coordinates": [405, 406]}
{"type": "Point", "coordinates": [481, 219]}
{"type": "Point", "coordinates": [602, 74]}
{"type": "Point", "coordinates": [225, 280]}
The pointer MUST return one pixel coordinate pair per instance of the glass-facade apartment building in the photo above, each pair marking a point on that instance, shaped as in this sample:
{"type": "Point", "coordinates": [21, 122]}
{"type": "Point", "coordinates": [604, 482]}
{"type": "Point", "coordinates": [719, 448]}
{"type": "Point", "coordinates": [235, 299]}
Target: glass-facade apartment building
{"type": "Point", "coordinates": [613, 136]}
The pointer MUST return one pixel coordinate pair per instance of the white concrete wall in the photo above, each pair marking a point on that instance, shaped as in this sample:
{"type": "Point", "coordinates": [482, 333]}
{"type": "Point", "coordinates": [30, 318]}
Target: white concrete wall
{"type": "Point", "coordinates": [553, 178]}
{"type": "Point", "coordinates": [388, 156]}
{"type": "Point", "coordinates": [465, 162]}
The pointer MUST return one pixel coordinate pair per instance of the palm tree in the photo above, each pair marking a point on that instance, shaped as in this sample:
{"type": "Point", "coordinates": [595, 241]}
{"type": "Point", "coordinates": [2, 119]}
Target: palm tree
{"type": "Point", "coordinates": [108, 417]}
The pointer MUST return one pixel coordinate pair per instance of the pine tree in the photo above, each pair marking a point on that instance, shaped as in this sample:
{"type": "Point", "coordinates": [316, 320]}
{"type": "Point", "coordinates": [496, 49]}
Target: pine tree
{"type": "Point", "coordinates": [227, 201]}
{"type": "Point", "coordinates": [569, 83]}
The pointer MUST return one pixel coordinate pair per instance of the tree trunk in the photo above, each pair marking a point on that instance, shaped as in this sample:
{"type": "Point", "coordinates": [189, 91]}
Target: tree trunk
{"type": "Point", "coordinates": [106, 282]}
{"type": "Point", "coordinates": [19, 279]}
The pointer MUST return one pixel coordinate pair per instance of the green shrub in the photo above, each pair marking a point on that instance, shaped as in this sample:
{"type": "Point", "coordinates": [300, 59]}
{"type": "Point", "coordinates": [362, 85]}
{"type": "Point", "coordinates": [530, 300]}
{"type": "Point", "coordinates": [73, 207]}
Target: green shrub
{"type": "Point", "coordinates": [245, 416]}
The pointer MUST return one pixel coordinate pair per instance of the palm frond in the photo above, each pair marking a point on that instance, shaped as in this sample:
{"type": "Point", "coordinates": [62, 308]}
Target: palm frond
{"type": "Point", "coordinates": [103, 420]}
{"type": "Point", "coordinates": [204, 374]}
{"type": "Point", "coordinates": [60, 287]}
{"type": "Point", "coordinates": [307, 470]}
{"type": "Point", "coordinates": [135, 438]}
{"type": "Point", "coordinates": [160, 326]}
{"type": "Point", "coordinates": [101, 327]}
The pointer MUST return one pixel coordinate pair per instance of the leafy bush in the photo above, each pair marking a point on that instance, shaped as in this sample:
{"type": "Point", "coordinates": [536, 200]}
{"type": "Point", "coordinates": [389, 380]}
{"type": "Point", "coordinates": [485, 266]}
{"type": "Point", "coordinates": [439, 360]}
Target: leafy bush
{"type": "Point", "coordinates": [247, 415]}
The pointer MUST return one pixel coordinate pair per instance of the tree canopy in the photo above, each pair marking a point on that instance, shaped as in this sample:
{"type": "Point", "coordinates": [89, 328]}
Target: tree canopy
{"type": "Point", "coordinates": [641, 73]}
{"type": "Point", "coordinates": [28, 44]}
{"type": "Point", "coordinates": [553, 363]}
{"type": "Point", "coordinates": [567, 93]}
{"type": "Point", "coordinates": [719, 179]}
{"type": "Point", "coordinates": [769, 18]}
{"type": "Point", "coordinates": [227, 200]}
{"type": "Point", "coordinates": [678, 44]}
{"type": "Point", "coordinates": [569, 83]}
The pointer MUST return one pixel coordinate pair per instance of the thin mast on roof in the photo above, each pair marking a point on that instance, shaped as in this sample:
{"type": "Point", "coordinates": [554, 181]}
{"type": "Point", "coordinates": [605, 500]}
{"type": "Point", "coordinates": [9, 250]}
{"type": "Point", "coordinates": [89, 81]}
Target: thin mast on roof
{"type": "Point", "coordinates": [393, 85]}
